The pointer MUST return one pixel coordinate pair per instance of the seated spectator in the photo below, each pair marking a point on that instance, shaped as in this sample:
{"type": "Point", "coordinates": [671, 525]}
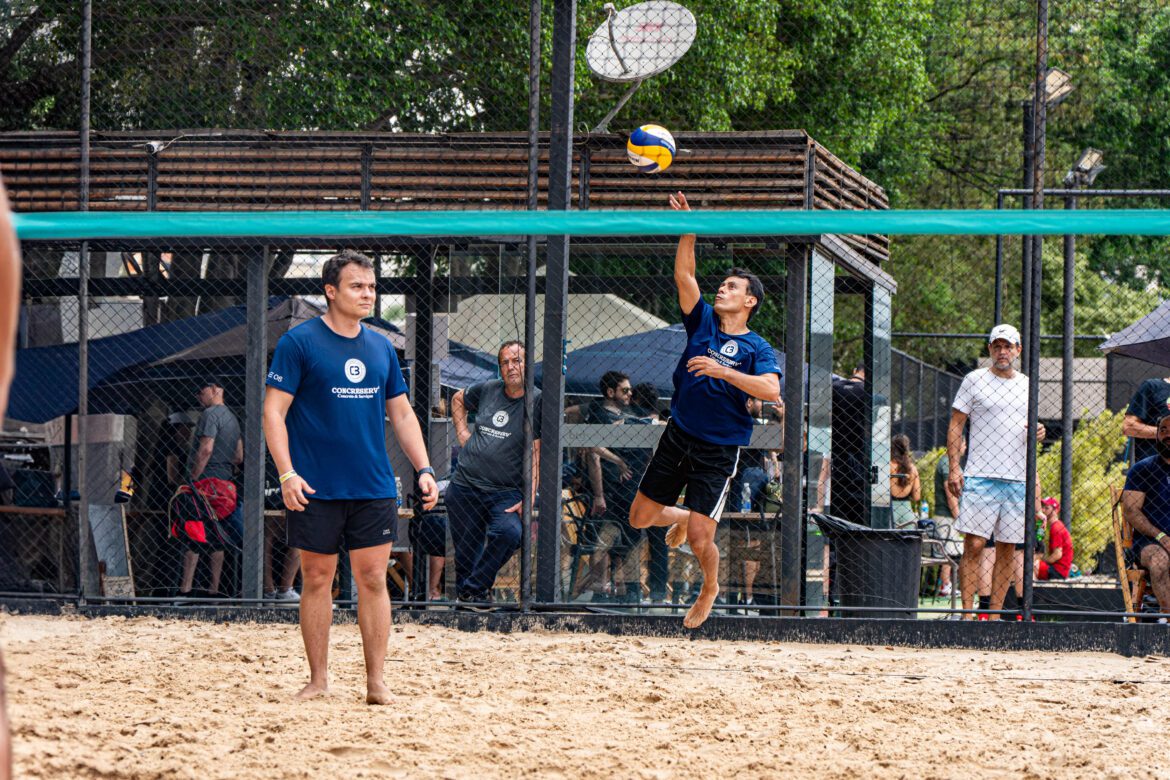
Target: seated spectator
{"type": "Point", "coordinates": [1055, 562]}
{"type": "Point", "coordinates": [1145, 502]}
{"type": "Point", "coordinates": [485, 495]}
{"type": "Point", "coordinates": [905, 485]}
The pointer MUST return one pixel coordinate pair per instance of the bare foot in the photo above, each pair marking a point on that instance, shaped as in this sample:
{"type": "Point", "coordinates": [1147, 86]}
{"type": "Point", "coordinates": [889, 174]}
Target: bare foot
{"type": "Point", "coordinates": [312, 691]}
{"type": "Point", "coordinates": [676, 535]}
{"type": "Point", "coordinates": [701, 609]}
{"type": "Point", "coordinates": [377, 693]}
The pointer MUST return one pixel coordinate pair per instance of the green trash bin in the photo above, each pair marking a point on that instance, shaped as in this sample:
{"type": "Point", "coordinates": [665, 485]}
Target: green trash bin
{"type": "Point", "coordinates": [876, 567]}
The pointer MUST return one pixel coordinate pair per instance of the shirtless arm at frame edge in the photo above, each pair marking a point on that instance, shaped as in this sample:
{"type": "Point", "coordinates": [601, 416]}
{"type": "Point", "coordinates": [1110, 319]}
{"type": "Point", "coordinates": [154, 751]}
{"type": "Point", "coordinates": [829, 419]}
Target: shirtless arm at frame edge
{"type": "Point", "coordinates": [9, 316]}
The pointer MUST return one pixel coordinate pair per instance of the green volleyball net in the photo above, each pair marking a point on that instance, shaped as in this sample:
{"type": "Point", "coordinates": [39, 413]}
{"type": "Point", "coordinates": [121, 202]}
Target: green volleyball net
{"type": "Point", "coordinates": [838, 504]}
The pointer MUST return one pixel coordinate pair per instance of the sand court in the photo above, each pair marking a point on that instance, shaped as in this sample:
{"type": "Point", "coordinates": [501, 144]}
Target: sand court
{"type": "Point", "coordinates": [151, 698]}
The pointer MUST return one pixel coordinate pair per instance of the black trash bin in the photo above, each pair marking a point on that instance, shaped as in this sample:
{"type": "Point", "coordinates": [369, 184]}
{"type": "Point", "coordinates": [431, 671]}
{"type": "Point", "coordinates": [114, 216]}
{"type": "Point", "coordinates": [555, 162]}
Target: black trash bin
{"type": "Point", "coordinates": [876, 567]}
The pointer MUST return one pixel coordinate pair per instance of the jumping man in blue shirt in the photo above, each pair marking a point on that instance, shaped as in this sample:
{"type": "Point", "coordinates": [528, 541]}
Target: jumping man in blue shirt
{"type": "Point", "coordinates": [331, 386]}
{"type": "Point", "coordinates": [724, 363]}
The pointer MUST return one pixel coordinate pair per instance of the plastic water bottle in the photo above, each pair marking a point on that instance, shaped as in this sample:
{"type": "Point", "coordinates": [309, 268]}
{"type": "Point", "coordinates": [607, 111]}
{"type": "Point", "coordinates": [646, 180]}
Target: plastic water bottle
{"type": "Point", "coordinates": [745, 498]}
{"type": "Point", "coordinates": [924, 510]}
{"type": "Point", "coordinates": [398, 490]}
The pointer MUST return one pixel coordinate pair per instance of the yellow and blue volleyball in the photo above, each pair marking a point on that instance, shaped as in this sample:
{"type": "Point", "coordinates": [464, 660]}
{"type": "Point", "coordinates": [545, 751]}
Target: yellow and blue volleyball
{"type": "Point", "coordinates": [651, 148]}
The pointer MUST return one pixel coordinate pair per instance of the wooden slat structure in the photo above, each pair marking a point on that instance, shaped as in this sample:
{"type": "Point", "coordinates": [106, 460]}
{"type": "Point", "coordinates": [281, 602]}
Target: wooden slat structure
{"type": "Point", "coordinates": [249, 170]}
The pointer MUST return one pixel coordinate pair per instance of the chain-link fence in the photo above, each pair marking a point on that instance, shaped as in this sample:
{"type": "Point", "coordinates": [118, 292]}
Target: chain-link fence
{"type": "Point", "coordinates": [138, 106]}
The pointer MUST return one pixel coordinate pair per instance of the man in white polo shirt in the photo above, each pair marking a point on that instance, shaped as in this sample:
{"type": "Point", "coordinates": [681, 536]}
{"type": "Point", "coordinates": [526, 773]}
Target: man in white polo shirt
{"type": "Point", "coordinates": [992, 492]}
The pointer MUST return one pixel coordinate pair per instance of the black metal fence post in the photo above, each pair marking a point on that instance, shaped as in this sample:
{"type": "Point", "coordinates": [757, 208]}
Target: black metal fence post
{"type": "Point", "coordinates": [1039, 102]}
{"type": "Point", "coordinates": [1066, 375]}
{"type": "Point", "coordinates": [795, 345]}
{"type": "Point", "coordinates": [530, 303]}
{"type": "Point", "coordinates": [255, 360]}
{"type": "Point", "coordinates": [556, 296]}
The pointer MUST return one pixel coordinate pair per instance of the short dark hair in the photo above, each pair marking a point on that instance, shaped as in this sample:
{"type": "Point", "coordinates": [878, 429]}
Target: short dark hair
{"type": "Point", "coordinates": [331, 271]}
{"type": "Point", "coordinates": [505, 345]}
{"type": "Point", "coordinates": [755, 287]}
{"type": "Point", "coordinates": [610, 381]}
{"type": "Point", "coordinates": [644, 396]}
{"type": "Point", "coordinates": [1161, 420]}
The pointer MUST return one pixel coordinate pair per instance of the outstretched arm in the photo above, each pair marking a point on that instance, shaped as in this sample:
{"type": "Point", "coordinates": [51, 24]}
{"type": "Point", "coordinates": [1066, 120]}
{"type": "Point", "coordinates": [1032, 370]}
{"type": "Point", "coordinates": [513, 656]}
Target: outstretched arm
{"type": "Point", "coordinates": [684, 262]}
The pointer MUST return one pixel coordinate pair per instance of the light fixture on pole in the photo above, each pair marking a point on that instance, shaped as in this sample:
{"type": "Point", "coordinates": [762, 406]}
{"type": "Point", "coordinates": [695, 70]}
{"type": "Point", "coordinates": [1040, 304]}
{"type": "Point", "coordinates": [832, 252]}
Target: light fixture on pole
{"type": "Point", "coordinates": [1086, 169]}
{"type": "Point", "coordinates": [1057, 87]}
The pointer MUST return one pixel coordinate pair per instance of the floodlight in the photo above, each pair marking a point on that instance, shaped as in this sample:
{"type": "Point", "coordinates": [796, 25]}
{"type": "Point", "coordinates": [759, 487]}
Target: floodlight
{"type": "Point", "coordinates": [1086, 169]}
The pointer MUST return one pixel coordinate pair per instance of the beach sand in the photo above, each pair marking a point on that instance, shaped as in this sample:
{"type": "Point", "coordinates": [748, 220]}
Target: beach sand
{"type": "Point", "coordinates": [150, 698]}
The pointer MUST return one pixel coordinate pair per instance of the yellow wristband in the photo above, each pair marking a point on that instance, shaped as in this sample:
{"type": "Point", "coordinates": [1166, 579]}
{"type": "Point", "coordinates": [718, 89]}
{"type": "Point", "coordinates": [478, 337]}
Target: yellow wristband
{"type": "Point", "coordinates": [1158, 538]}
{"type": "Point", "coordinates": [286, 476]}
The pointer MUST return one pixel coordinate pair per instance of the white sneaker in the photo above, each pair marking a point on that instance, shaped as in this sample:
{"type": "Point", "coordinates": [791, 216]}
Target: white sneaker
{"type": "Point", "coordinates": [270, 595]}
{"type": "Point", "coordinates": [945, 590]}
{"type": "Point", "coordinates": [288, 595]}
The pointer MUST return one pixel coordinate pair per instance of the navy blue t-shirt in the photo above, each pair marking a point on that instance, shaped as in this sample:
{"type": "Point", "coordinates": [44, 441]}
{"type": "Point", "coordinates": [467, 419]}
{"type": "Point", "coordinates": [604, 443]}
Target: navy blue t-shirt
{"type": "Point", "coordinates": [336, 423]}
{"type": "Point", "coordinates": [1152, 477]}
{"type": "Point", "coordinates": [1149, 404]}
{"type": "Point", "coordinates": [709, 409]}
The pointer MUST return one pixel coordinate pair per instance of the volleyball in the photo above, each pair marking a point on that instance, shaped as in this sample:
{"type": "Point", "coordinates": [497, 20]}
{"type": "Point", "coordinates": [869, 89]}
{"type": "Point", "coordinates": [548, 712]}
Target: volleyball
{"type": "Point", "coordinates": [651, 148]}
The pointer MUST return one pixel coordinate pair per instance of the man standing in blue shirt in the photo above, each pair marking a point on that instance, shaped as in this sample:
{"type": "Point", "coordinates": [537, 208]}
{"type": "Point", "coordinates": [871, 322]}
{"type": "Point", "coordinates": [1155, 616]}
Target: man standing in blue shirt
{"type": "Point", "coordinates": [331, 385]}
{"type": "Point", "coordinates": [1146, 504]}
{"type": "Point", "coordinates": [723, 365]}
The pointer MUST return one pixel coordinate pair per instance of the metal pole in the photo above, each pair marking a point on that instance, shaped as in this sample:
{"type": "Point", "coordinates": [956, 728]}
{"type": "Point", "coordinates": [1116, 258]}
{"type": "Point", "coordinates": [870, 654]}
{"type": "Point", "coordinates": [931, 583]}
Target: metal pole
{"type": "Point", "coordinates": [87, 580]}
{"type": "Point", "coordinates": [1038, 101]}
{"type": "Point", "coordinates": [530, 303]}
{"type": "Point", "coordinates": [998, 318]}
{"type": "Point", "coordinates": [1025, 241]}
{"type": "Point", "coordinates": [255, 361]}
{"type": "Point", "coordinates": [1066, 375]}
{"type": "Point", "coordinates": [556, 296]}
{"type": "Point", "coordinates": [920, 407]}
{"type": "Point", "coordinates": [795, 345]}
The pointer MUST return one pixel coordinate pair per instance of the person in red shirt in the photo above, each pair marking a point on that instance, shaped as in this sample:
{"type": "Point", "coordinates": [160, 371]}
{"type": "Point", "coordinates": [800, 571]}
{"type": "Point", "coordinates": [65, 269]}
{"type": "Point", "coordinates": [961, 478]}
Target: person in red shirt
{"type": "Point", "coordinates": [1056, 562]}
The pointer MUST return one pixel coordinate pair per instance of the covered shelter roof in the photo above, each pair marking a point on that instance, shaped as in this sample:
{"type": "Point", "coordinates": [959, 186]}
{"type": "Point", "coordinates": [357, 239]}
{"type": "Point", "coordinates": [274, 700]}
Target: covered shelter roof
{"type": "Point", "coordinates": [245, 170]}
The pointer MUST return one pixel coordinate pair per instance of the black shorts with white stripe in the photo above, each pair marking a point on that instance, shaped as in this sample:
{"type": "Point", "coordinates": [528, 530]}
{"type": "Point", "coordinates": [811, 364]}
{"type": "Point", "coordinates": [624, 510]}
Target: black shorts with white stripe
{"type": "Point", "coordinates": [682, 461]}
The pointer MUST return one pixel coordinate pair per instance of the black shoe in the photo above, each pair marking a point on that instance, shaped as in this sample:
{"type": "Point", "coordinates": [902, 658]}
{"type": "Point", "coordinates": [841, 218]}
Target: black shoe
{"type": "Point", "coordinates": [474, 602]}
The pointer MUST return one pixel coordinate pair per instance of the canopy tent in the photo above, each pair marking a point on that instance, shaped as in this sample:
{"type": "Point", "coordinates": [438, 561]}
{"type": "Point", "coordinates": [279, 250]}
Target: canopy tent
{"type": "Point", "coordinates": [1147, 339]}
{"type": "Point", "coordinates": [45, 386]}
{"type": "Point", "coordinates": [164, 362]}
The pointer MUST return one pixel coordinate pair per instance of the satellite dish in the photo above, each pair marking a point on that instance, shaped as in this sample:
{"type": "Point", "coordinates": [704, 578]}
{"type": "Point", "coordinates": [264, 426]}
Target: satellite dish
{"type": "Point", "coordinates": [637, 42]}
{"type": "Point", "coordinates": [640, 41]}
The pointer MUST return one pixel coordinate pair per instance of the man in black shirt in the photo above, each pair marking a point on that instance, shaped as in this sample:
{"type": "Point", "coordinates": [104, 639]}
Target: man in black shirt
{"type": "Point", "coordinates": [851, 443]}
{"type": "Point", "coordinates": [484, 497]}
{"type": "Point", "coordinates": [614, 481]}
{"type": "Point", "coordinates": [1148, 405]}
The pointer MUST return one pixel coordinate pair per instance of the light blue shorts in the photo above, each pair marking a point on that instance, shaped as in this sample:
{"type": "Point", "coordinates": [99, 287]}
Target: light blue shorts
{"type": "Point", "coordinates": [992, 506]}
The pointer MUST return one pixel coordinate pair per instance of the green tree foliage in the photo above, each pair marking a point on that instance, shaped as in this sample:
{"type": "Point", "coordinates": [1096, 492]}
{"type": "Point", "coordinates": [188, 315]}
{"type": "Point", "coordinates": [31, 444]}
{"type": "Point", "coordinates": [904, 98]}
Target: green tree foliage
{"type": "Point", "coordinates": [1100, 306]}
{"type": "Point", "coordinates": [1097, 447]}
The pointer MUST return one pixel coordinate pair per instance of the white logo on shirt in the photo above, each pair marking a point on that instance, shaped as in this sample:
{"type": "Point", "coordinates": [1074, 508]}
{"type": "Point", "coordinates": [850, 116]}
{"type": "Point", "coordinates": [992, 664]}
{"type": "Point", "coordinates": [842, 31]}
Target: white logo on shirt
{"type": "Point", "coordinates": [731, 349]}
{"type": "Point", "coordinates": [355, 370]}
{"type": "Point", "coordinates": [500, 419]}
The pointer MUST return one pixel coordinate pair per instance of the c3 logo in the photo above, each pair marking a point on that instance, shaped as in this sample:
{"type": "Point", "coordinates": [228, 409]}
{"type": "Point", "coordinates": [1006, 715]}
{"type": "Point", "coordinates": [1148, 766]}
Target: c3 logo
{"type": "Point", "coordinates": [355, 370]}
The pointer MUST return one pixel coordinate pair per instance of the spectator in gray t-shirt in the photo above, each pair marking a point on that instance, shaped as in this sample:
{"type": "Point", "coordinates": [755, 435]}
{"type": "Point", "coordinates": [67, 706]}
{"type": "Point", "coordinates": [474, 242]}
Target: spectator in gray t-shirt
{"type": "Point", "coordinates": [484, 497]}
{"type": "Point", "coordinates": [215, 451]}
{"type": "Point", "coordinates": [216, 447]}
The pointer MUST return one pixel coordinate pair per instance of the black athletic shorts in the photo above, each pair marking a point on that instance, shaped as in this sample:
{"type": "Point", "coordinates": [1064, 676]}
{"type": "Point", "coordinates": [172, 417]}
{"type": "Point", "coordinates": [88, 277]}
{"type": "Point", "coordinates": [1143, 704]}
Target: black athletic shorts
{"type": "Point", "coordinates": [327, 526]}
{"type": "Point", "coordinates": [682, 461]}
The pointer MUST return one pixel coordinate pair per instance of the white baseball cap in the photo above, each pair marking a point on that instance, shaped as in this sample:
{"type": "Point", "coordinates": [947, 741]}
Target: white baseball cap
{"type": "Point", "coordinates": [1006, 332]}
